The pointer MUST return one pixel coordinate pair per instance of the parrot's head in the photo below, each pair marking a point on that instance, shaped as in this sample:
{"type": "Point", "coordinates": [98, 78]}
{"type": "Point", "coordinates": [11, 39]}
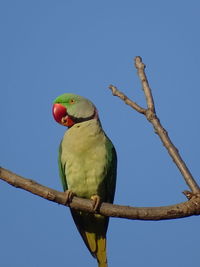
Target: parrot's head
{"type": "Point", "coordinates": [69, 109]}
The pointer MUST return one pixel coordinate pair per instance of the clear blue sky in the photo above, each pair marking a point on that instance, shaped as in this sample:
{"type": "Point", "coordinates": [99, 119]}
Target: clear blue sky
{"type": "Point", "coordinates": [51, 47]}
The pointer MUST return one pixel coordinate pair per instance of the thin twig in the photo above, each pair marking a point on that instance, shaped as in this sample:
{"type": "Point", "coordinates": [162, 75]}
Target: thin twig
{"type": "Point", "coordinates": [184, 209]}
{"type": "Point", "coordinates": [140, 66]}
{"type": "Point", "coordinates": [127, 100]}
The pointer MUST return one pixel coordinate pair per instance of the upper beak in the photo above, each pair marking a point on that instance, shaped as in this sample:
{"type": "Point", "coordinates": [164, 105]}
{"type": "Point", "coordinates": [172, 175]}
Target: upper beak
{"type": "Point", "coordinates": [59, 111]}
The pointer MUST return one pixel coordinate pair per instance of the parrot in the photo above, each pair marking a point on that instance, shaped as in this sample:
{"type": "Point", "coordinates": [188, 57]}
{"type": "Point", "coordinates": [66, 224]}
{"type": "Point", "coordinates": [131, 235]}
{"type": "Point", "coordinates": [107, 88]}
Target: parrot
{"type": "Point", "coordinates": [87, 164]}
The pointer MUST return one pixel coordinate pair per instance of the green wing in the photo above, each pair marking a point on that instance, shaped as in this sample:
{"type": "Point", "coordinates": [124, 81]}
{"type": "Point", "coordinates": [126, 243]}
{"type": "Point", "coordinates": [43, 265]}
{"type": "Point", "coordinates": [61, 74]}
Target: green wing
{"type": "Point", "coordinates": [61, 169]}
{"type": "Point", "coordinates": [111, 172]}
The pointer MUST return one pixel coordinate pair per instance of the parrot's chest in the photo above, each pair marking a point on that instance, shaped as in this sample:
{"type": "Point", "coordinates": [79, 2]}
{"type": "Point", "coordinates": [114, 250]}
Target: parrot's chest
{"type": "Point", "coordinates": [85, 156]}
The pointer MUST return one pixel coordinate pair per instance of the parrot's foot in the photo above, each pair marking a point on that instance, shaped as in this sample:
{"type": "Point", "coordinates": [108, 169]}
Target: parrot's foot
{"type": "Point", "coordinates": [96, 202]}
{"type": "Point", "coordinates": [69, 195]}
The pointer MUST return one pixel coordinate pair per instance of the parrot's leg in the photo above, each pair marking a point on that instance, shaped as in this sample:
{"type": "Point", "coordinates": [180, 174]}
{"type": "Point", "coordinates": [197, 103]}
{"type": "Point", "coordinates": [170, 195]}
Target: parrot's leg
{"type": "Point", "coordinates": [96, 202]}
{"type": "Point", "coordinates": [69, 195]}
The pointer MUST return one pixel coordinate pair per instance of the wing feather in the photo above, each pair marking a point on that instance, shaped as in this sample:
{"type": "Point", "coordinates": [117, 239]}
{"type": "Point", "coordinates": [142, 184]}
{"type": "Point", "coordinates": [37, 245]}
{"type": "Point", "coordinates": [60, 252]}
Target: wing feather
{"type": "Point", "coordinates": [62, 169]}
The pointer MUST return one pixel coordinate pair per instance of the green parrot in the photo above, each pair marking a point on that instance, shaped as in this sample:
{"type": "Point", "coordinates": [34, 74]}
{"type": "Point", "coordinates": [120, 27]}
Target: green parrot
{"type": "Point", "coordinates": [87, 165]}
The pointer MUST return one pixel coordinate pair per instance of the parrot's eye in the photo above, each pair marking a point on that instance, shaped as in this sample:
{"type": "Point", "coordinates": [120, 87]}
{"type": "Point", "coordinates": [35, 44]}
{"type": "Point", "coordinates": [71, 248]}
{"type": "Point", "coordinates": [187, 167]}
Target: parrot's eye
{"type": "Point", "coordinates": [72, 101]}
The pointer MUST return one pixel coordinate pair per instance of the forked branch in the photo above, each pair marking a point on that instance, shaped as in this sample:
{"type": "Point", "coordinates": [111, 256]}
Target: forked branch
{"type": "Point", "coordinates": [151, 116]}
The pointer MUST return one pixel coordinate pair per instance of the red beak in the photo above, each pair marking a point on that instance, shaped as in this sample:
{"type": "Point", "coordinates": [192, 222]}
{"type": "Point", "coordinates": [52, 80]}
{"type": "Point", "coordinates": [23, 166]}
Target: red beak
{"type": "Point", "coordinates": [59, 111]}
{"type": "Point", "coordinates": [61, 116]}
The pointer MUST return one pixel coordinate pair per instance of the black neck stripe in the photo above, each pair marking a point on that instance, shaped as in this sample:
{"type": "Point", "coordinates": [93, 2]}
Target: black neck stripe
{"type": "Point", "coordinates": [78, 120]}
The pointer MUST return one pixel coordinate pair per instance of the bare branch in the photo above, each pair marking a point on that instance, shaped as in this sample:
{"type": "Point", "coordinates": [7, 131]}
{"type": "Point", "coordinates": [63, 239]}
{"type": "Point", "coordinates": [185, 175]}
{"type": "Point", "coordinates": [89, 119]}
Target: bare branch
{"type": "Point", "coordinates": [185, 209]}
{"type": "Point", "coordinates": [151, 116]}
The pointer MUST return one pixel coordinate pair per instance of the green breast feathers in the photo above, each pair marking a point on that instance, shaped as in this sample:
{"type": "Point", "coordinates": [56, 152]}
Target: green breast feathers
{"type": "Point", "coordinates": [86, 154]}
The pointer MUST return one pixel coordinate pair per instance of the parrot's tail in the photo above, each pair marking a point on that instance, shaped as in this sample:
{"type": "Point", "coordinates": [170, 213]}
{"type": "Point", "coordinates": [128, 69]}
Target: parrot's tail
{"type": "Point", "coordinates": [97, 247]}
{"type": "Point", "coordinates": [101, 252]}
{"type": "Point", "coordinates": [92, 228]}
